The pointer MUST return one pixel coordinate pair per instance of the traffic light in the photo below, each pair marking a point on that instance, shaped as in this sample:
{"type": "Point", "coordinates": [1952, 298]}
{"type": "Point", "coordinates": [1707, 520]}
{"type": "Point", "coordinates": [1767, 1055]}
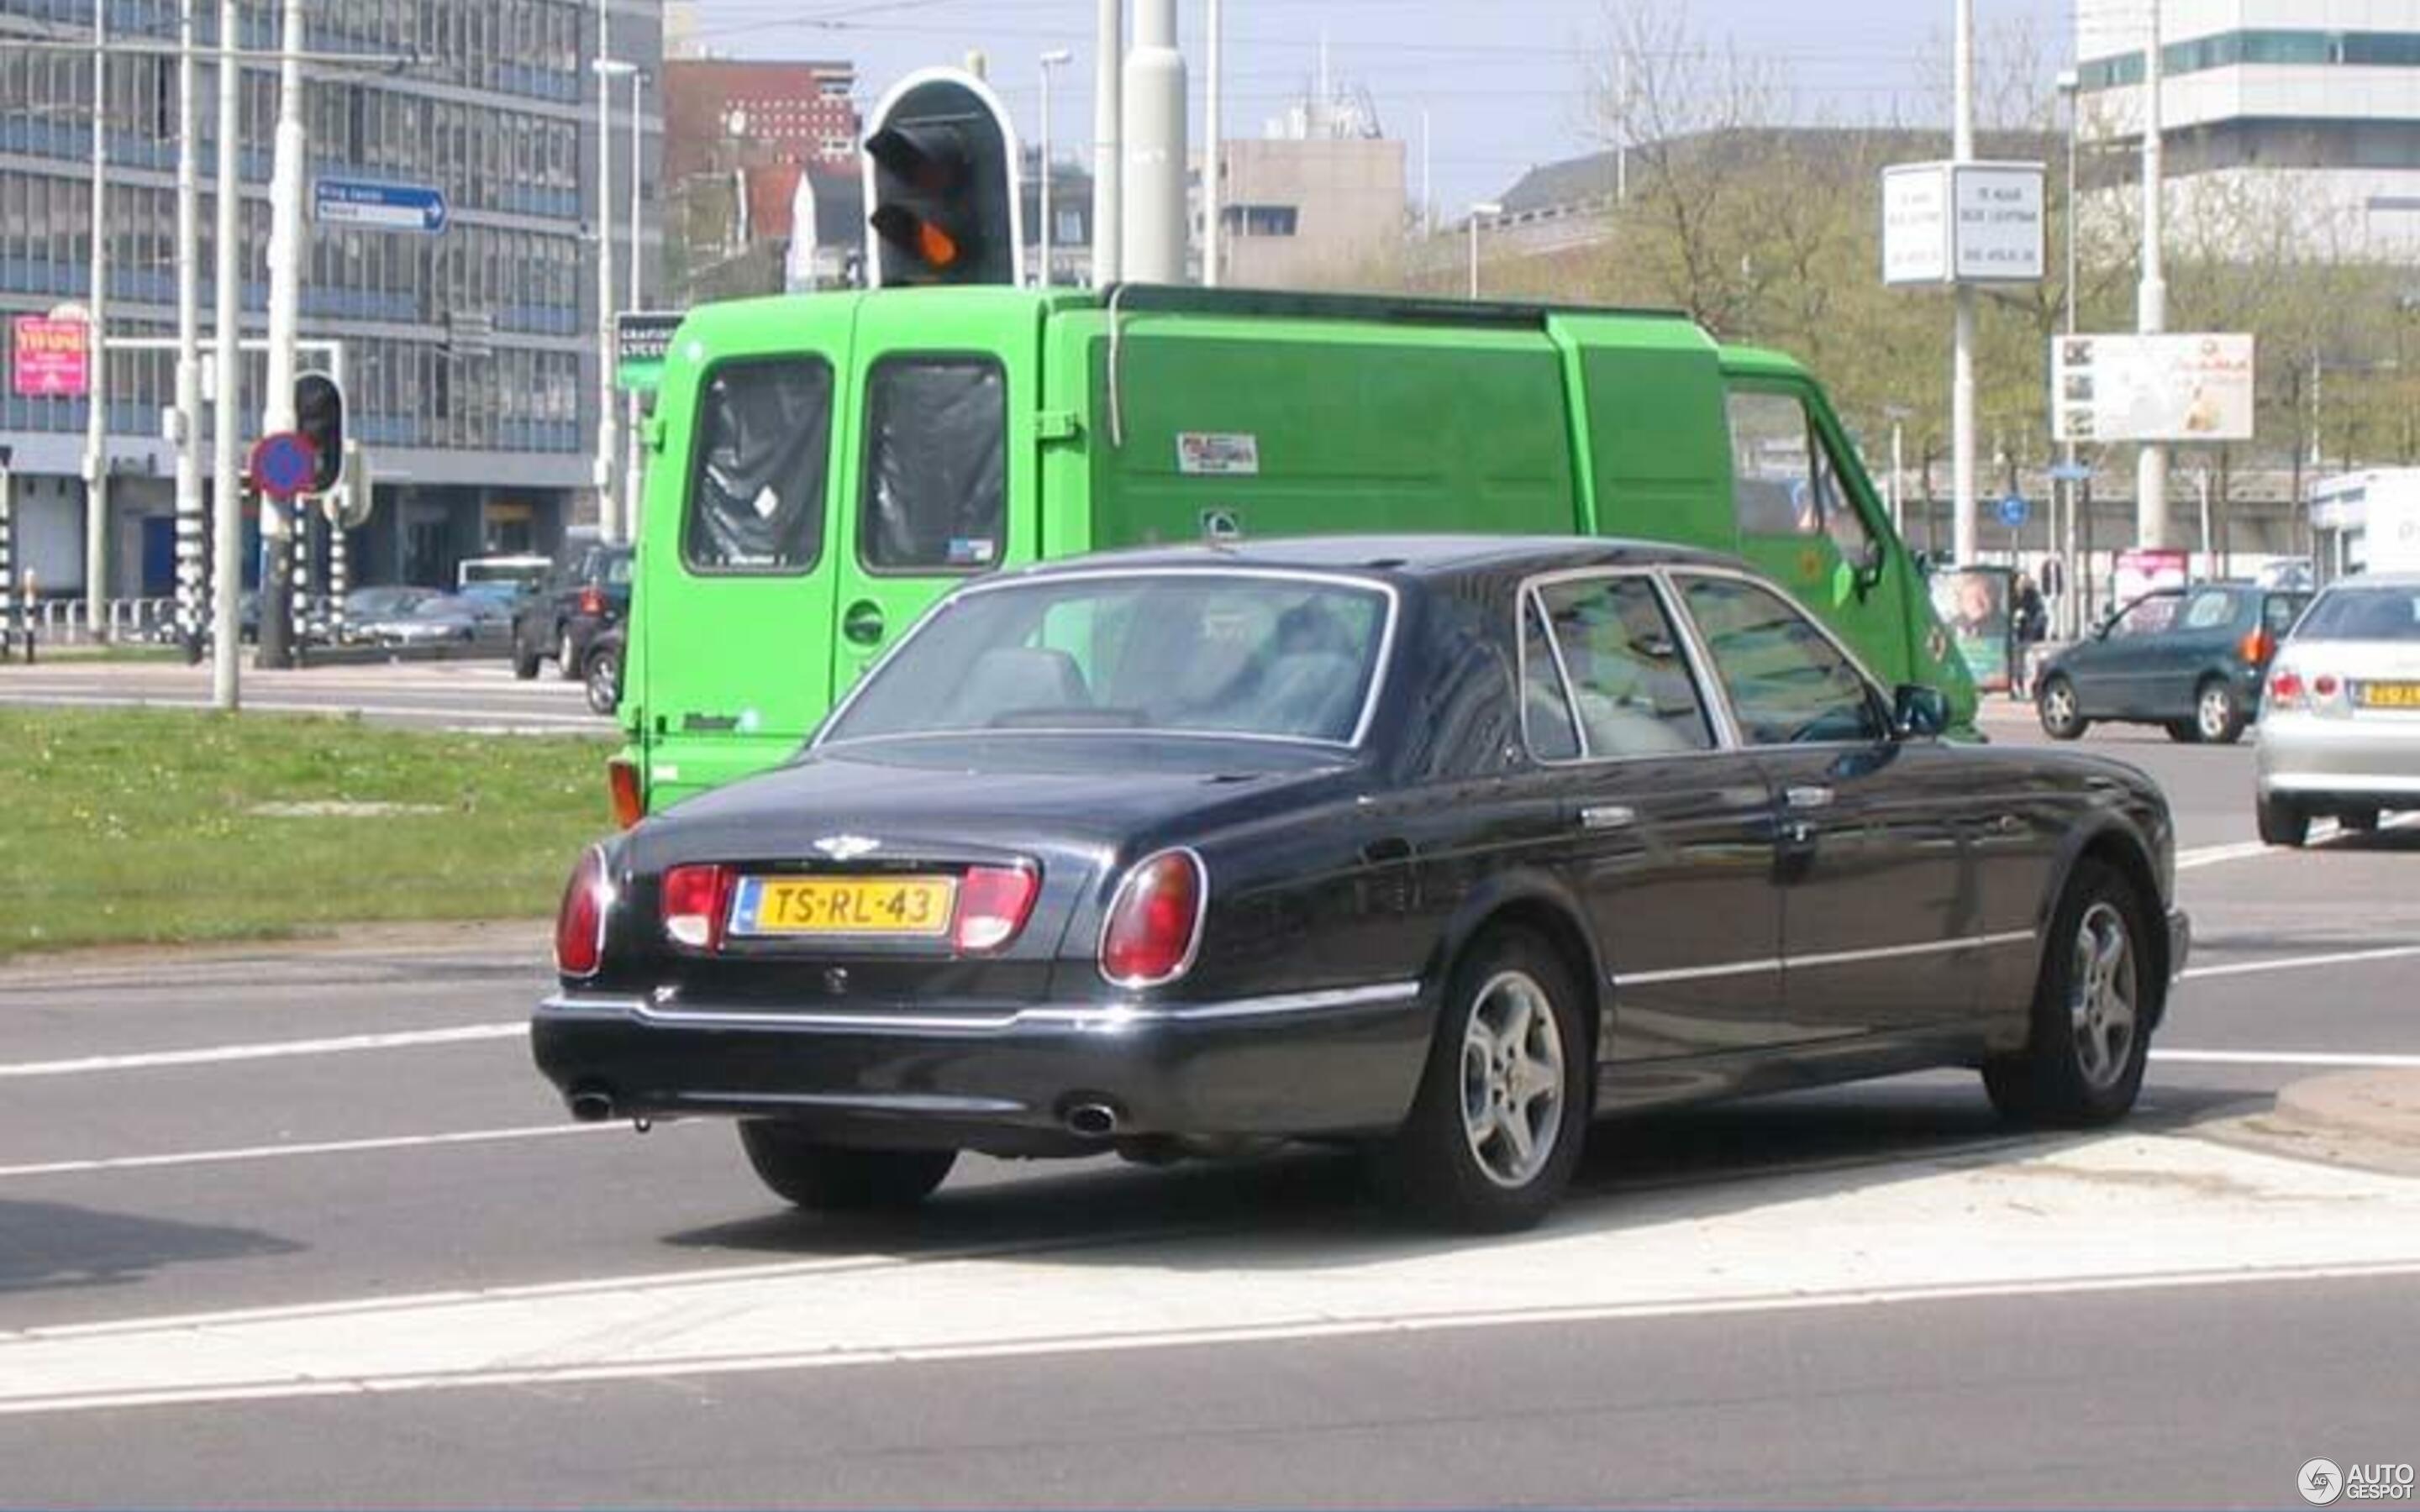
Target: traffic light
{"type": "Point", "coordinates": [319, 415]}
{"type": "Point", "coordinates": [941, 184]}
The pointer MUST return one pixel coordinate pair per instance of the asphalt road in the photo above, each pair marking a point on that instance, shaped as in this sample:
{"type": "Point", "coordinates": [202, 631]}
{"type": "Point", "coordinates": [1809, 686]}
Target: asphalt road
{"type": "Point", "coordinates": [289, 1227]}
{"type": "Point", "coordinates": [480, 695]}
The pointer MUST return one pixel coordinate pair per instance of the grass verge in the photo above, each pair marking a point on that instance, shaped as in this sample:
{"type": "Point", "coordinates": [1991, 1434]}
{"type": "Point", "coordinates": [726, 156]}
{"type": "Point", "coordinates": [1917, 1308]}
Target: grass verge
{"type": "Point", "coordinates": [163, 826]}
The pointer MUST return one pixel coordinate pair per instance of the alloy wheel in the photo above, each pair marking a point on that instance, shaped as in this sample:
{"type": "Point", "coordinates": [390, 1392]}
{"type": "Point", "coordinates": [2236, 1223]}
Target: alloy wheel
{"type": "Point", "coordinates": [2214, 712]}
{"type": "Point", "coordinates": [2102, 995]}
{"type": "Point", "coordinates": [1512, 1079]}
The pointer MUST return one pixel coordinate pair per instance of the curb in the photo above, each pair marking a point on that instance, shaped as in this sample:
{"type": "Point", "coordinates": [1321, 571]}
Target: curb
{"type": "Point", "coordinates": [2366, 1118]}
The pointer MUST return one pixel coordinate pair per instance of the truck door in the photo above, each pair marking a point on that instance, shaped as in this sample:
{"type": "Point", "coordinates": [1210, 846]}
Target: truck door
{"type": "Point", "coordinates": [1806, 514]}
{"type": "Point", "coordinates": [942, 434]}
{"type": "Point", "coordinates": [734, 605]}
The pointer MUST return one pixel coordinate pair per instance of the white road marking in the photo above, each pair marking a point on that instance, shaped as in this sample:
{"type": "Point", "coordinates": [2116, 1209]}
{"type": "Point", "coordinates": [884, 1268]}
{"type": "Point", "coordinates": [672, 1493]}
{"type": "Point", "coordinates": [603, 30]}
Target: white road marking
{"type": "Point", "coordinates": [276, 1049]}
{"type": "Point", "coordinates": [2301, 963]}
{"type": "Point", "coordinates": [2323, 832]}
{"type": "Point", "coordinates": [2129, 1212]}
{"type": "Point", "coordinates": [2213, 855]}
{"type": "Point", "coordinates": [336, 1147]}
{"type": "Point", "coordinates": [2287, 1057]}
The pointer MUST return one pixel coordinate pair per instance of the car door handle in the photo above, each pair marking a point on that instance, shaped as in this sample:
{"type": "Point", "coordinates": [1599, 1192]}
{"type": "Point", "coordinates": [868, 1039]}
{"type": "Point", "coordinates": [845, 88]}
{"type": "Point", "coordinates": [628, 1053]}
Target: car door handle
{"type": "Point", "coordinates": [1609, 817]}
{"type": "Point", "coordinates": [1809, 796]}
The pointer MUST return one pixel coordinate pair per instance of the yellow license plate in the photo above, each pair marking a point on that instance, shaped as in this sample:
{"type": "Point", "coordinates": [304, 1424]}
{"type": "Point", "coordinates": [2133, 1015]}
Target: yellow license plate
{"type": "Point", "coordinates": [908, 905]}
{"type": "Point", "coordinates": [2390, 695]}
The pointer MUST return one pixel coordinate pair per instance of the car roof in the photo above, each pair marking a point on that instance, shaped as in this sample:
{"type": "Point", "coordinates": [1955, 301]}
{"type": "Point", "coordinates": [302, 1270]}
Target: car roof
{"type": "Point", "coordinates": [2379, 580]}
{"type": "Point", "coordinates": [1396, 556]}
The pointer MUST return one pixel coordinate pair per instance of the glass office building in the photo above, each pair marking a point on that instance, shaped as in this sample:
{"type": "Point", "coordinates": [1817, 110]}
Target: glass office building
{"type": "Point", "coordinates": [471, 352]}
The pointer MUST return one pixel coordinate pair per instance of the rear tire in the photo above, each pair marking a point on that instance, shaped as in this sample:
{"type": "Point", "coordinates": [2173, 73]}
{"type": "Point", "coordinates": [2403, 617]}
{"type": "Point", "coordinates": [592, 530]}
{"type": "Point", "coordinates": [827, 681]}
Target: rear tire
{"type": "Point", "coordinates": [566, 660]}
{"type": "Point", "coordinates": [2183, 732]}
{"type": "Point", "coordinates": [2218, 712]}
{"type": "Point", "coordinates": [2282, 821]}
{"type": "Point", "coordinates": [2094, 1004]}
{"type": "Point", "coordinates": [807, 1173]}
{"type": "Point", "coordinates": [524, 664]}
{"type": "Point", "coordinates": [2061, 716]}
{"type": "Point", "coordinates": [1502, 1110]}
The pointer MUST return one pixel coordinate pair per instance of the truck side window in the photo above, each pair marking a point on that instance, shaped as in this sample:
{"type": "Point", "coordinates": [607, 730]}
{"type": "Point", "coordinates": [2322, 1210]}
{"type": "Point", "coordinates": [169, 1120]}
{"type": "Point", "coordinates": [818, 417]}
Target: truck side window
{"type": "Point", "coordinates": [764, 442]}
{"type": "Point", "coordinates": [1771, 471]}
{"type": "Point", "coordinates": [936, 466]}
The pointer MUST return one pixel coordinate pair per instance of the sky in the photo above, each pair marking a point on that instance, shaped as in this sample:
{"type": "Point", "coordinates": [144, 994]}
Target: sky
{"type": "Point", "coordinates": [1501, 83]}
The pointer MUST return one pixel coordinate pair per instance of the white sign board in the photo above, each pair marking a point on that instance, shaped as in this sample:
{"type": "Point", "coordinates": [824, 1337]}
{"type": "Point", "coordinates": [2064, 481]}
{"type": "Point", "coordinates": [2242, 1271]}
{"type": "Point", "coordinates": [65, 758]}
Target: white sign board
{"type": "Point", "coordinates": [2168, 388]}
{"type": "Point", "coordinates": [1915, 223]}
{"type": "Point", "coordinates": [1961, 223]}
{"type": "Point", "coordinates": [1999, 235]}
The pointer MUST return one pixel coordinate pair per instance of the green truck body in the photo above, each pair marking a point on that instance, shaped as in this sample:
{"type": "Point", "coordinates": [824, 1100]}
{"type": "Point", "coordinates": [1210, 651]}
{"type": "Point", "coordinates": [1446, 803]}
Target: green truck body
{"type": "Point", "coordinates": [823, 467]}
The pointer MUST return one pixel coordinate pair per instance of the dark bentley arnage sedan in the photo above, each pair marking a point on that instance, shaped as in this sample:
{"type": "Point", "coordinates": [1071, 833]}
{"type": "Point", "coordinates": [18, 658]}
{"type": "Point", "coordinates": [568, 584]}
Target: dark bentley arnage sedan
{"type": "Point", "coordinates": [1438, 847]}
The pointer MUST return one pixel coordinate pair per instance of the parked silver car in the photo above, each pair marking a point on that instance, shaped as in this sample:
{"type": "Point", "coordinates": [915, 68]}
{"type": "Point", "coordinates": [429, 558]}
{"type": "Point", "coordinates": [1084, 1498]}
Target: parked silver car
{"type": "Point", "coordinates": [2340, 731]}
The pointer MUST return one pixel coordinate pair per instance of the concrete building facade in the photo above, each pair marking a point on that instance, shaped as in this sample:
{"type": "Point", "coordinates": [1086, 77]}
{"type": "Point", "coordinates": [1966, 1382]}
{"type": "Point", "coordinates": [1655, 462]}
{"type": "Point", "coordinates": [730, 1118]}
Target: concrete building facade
{"type": "Point", "coordinates": [471, 353]}
{"type": "Point", "coordinates": [2309, 107]}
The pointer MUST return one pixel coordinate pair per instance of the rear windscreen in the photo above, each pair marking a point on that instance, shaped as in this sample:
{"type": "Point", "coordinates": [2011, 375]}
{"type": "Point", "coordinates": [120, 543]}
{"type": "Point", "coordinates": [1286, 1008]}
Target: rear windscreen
{"type": "Point", "coordinates": [2363, 614]}
{"type": "Point", "coordinates": [764, 444]}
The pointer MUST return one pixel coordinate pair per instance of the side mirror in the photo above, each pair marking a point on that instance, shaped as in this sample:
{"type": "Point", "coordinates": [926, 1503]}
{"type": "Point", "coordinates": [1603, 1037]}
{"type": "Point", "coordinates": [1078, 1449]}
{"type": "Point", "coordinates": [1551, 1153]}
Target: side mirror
{"type": "Point", "coordinates": [1918, 712]}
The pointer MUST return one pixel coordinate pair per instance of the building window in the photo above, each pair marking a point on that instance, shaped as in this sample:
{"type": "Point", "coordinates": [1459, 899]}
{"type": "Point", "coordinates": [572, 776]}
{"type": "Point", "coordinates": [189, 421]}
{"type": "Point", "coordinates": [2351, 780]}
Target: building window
{"type": "Point", "coordinates": [1259, 219]}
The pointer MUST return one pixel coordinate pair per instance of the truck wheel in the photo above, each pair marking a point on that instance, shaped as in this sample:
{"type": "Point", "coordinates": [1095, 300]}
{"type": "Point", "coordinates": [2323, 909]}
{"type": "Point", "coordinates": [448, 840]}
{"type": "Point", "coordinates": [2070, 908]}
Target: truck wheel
{"type": "Point", "coordinates": [2061, 716]}
{"type": "Point", "coordinates": [2094, 1004]}
{"type": "Point", "coordinates": [2218, 714]}
{"type": "Point", "coordinates": [836, 1179]}
{"type": "Point", "coordinates": [1502, 1112]}
{"type": "Point", "coordinates": [2282, 821]}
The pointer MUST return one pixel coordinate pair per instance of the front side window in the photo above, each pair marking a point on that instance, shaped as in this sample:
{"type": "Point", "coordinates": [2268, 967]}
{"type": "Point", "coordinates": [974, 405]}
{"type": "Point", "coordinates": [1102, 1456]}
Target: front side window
{"type": "Point", "coordinates": [764, 442]}
{"type": "Point", "coordinates": [1787, 682]}
{"type": "Point", "coordinates": [1188, 653]}
{"type": "Point", "coordinates": [936, 466]}
{"type": "Point", "coordinates": [1628, 681]}
{"type": "Point", "coordinates": [1772, 476]}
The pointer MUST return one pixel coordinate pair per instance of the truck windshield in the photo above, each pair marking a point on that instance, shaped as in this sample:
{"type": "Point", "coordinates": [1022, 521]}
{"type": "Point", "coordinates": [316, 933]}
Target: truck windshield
{"type": "Point", "coordinates": [1233, 655]}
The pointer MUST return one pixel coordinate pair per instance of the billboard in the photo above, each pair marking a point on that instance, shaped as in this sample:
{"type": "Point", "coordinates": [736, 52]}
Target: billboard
{"type": "Point", "coordinates": [1962, 223]}
{"type": "Point", "coordinates": [51, 357]}
{"type": "Point", "coordinates": [2167, 387]}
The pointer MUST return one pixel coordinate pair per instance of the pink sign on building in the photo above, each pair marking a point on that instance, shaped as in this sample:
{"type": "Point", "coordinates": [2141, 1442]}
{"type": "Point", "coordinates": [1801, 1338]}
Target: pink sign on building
{"type": "Point", "coordinates": [50, 358]}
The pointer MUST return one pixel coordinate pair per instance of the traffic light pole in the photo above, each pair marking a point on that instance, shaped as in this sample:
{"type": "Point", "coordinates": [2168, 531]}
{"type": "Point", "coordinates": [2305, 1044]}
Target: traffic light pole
{"type": "Point", "coordinates": [280, 527]}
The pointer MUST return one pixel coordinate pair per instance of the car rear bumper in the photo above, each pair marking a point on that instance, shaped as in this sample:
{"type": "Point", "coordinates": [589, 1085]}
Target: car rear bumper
{"type": "Point", "coordinates": [1341, 1061]}
{"type": "Point", "coordinates": [2306, 753]}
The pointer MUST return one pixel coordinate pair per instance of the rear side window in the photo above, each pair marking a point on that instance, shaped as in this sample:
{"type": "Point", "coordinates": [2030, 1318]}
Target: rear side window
{"type": "Point", "coordinates": [2278, 611]}
{"type": "Point", "coordinates": [936, 466]}
{"type": "Point", "coordinates": [2211, 611]}
{"type": "Point", "coordinates": [764, 446]}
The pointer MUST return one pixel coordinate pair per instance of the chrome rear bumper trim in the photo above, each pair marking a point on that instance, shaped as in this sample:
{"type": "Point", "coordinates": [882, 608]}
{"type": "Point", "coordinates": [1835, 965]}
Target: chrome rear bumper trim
{"type": "Point", "coordinates": [1103, 1018]}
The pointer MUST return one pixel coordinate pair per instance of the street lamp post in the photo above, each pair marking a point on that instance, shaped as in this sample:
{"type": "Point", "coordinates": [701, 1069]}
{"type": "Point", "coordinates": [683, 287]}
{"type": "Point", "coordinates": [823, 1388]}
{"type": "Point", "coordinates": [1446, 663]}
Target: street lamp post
{"type": "Point", "coordinates": [2070, 85]}
{"type": "Point", "coordinates": [1485, 206]}
{"type": "Point", "coordinates": [608, 68]}
{"type": "Point", "coordinates": [96, 430]}
{"type": "Point", "coordinates": [1056, 57]}
{"type": "Point", "coordinates": [635, 463]}
{"type": "Point", "coordinates": [1213, 208]}
{"type": "Point", "coordinates": [2152, 297]}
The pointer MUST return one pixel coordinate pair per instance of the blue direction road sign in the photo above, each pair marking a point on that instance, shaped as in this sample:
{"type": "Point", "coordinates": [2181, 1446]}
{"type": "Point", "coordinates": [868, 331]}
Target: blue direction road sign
{"type": "Point", "coordinates": [419, 207]}
{"type": "Point", "coordinates": [283, 463]}
{"type": "Point", "coordinates": [2014, 510]}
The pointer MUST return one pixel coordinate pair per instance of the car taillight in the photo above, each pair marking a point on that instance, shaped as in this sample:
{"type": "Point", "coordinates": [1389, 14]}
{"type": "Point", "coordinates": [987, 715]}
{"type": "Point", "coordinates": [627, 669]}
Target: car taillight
{"type": "Point", "coordinates": [1155, 922]}
{"type": "Point", "coordinates": [2325, 686]}
{"type": "Point", "coordinates": [622, 781]}
{"type": "Point", "coordinates": [2256, 647]}
{"type": "Point", "coordinates": [695, 899]}
{"type": "Point", "coordinates": [2286, 688]}
{"type": "Point", "coordinates": [993, 903]}
{"type": "Point", "coordinates": [580, 923]}
{"type": "Point", "coordinates": [592, 601]}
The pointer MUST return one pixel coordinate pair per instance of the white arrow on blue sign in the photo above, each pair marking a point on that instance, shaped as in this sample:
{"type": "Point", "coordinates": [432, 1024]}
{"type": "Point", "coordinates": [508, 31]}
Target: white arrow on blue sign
{"type": "Point", "coordinates": [2014, 510]}
{"type": "Point", "coordinates": [419, 207]}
